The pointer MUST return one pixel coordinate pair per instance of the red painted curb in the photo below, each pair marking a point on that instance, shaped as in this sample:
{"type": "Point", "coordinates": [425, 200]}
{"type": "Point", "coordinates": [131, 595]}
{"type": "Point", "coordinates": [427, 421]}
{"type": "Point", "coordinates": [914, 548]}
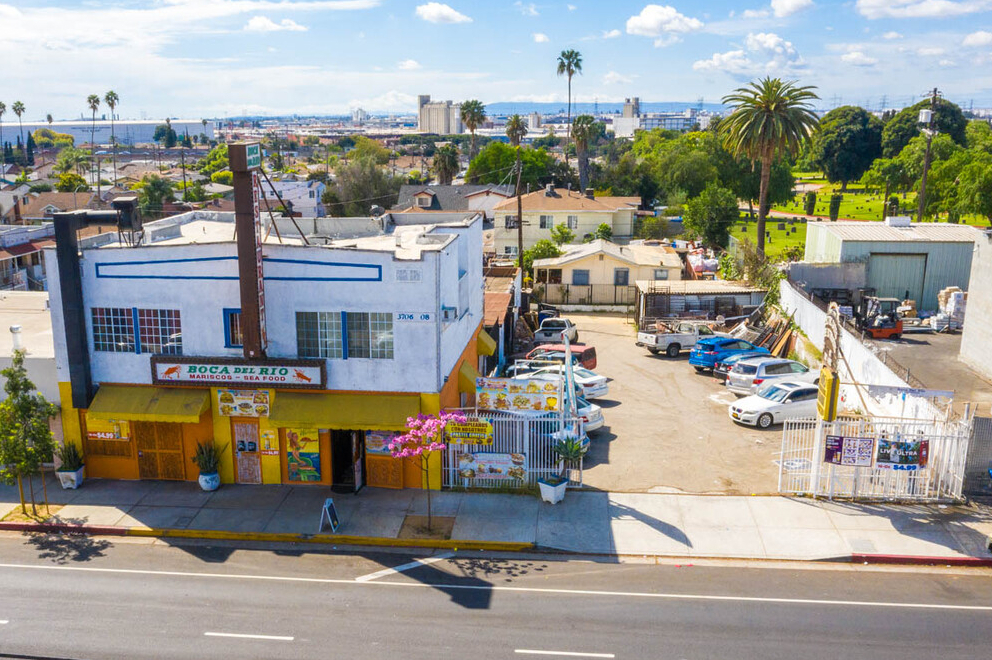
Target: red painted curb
{"type": "Point", "coordinates": [922, 560]}
{"type": "Point", "coordinates": [63, 528]}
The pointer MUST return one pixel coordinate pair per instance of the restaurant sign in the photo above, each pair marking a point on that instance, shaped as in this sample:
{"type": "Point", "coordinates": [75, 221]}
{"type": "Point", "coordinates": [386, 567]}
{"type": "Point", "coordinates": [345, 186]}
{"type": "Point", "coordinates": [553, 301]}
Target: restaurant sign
{"type": "Point", "coordinates": [232, 372]}
{"type": "Point", "coordinates": [475, 431]}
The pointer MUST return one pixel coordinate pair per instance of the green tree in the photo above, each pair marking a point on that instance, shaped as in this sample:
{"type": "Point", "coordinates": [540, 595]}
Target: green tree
{"type": "Point", "coordinates": [911, 157]}
{"type": "Point", "coordinates": [516, 129]}
{"type": "Point", "coordinates": [630, 176]}
{"type": "Point", "coordinates": [165, 135]}
{"type": "Point", "coordinates": [194, 192]}
{"type": "Point", "coordinates": [975, 186]}
{"type": "Point", "coordinates": [561, 234]}
{"type": "Point", "coordinates": [809, 202]}
{"type": "Point", "coordinates": [569, 64]}
{"type": "Point", "coordinates": [886, 174]}
{"type": "Point", "coordinates": [224, 177]}
{"type": "Point", "coordinates": [834, 207]}
{"type": "Point", "coordinates": [473, 115]}
{"type": "Point", "coordinates": [19, 109]}
{"type": "Point", "coordinates": [710, 216]}
{"type": "Point", "coordinates": [360, 185]}
{"type": "Point", "coordinates": [112, 100]}
{"type": "Point", "coordinates": [584, 130]}
{"type": "Point", "coordinates": [153, 193]}
{"type": "Point", "coordinates": [215, 161]}
{"type": "Point", "coordinates": [898, 131]}
{"type": "Point", "coordinates": [3, 153]}
{"type": "Point", "coordinates": [543, 249]}
{"type": "Point", "coordinates": [369, 149]}
{"type": "Point", "coordinates": [40, 187]}
{"type": "Point", "coordinates": [25, 437]}
{"type": "Point", "coordinates": [848, 141]}
{"type": "Point", "coordinates": [497, 160]}
{"type": "Point", "coordinates": [770, 118]}
{"type": "Point", "coordinates": [603, 231]}
{"type": "Point", "coordinates": [445, 164]}
{"type": "Point", "coordinates": [71, 182]}
{"type": "Point", "coordinates": [652, 227]}
{"type": "Point", "coordinates": [978, 135]}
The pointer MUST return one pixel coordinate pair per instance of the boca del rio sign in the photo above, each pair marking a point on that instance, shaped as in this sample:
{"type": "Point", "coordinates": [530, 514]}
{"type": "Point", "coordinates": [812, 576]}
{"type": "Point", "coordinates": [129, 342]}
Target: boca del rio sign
{"type": "Point", "coordinates": [295, 374]}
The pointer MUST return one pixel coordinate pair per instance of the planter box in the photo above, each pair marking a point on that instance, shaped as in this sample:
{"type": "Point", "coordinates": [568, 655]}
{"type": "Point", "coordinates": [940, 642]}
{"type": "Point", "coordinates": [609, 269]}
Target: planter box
{"type": "Point", "coordinates": [71, 480]}
{"type": "Point", "coordinates": [553, 493]}
{"type": "Point", "coordinates": [209, 482]}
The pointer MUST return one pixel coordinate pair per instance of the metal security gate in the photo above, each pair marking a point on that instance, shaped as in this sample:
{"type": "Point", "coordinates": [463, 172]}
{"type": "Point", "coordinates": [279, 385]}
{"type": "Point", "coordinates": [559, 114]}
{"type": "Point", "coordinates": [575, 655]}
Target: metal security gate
{"type": "Point", "coordinates": [513, 434]}
{"type": "Point", "coordinates": [977, 480]}
{"type": "Point", "coordinates": [803, 472]}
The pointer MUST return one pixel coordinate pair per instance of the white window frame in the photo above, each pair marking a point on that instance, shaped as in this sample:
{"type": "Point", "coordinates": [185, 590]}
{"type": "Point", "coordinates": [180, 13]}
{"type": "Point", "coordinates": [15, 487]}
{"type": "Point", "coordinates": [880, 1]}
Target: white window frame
{"type": "Point", "coordinates": [546, 221]}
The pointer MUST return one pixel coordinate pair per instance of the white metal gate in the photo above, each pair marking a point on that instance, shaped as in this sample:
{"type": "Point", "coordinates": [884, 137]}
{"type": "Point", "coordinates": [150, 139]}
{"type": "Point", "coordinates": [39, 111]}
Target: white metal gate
{"type": "Point", "coordinates": [803, 472]}
{"type": "Point", "coordinates": [514, 434]}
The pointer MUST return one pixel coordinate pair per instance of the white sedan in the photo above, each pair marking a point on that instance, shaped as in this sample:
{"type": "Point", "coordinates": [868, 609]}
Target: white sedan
{"type": "Point", "coordinates": [775, 403]}
{"type": "Point", "coordinates": [591, 384]}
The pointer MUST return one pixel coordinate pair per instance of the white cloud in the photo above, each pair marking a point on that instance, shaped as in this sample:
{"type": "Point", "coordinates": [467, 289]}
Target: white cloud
{"type": "Point", "coordinates": [763, 53]}
{"type": "Point", "coordinates": [264, 24]}
{"type": "Point", "coordinates": [614, 78]}
{"type": "Point", "coordinates": [408, 65]}
{"type": "Point", "coordinates": [891, 35]}
{"type": "Point", "coordinates": [734, 62]}
{"type": "Point", "coordinates": [572, 7]}
{"type": "Point", "coordinates": [783, 8]}
{"type": "Point", "coordinates": [437, 12]}
{"type": "Point", "coordinates": [980, 38]}
{"type": "Point", "coordinates": [947, 63]}
{"type": "Point", "coordinates": [755, 13]}
{"type": "Point", "coordinates": [540, 38]}
{"type": "Point", "coordinates": [857, 58]}
{"type": "Point", "coordinates": [663, 22]}
{"type": "Point", "coordinates": [611, 34]}
{"type": "Point", "coordinates": [930, 51]}
{"type": "Point", "coordinates": [529, 9]}
{"type": "Point", "coordinates": [920, 8]}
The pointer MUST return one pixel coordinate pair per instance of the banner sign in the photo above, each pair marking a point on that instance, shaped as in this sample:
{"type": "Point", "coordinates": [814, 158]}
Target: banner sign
{"type": "Point", "coordinates": [108, 429]}
{"type": "Point", "coordinates": [855, 452]}
{"type": "Point", "coordinates": [377, 442]}
{"type": "Point", "coordinates": [505, 467]}
{"type": "Point", "coordinates": [293, 374]}
{"type": "Point", "coordinates": [517, 395]}
{"type": "Point", "coordinates": [475, 431]}
{"type": "Point", "coordinates": [902, 455]}
{"type": "Point", "coordinates": [243, 403]}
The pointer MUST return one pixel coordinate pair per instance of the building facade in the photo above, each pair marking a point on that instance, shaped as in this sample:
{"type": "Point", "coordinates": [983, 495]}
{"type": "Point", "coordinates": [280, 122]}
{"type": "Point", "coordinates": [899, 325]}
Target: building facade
{"type": "Point", "coordinates": [977, 334]}
{"type": "Point", "coordinates": [126, 131]}
{"type": "Point", "coordinates": [362, 333]}
{"type": "Point", "coordinates": [441, 117]}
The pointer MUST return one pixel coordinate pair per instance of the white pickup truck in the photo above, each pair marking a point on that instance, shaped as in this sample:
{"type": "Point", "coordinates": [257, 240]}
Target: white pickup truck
{"type": "Point", "coordinates": [552, 330]}
{"type": "Point", "coordinates": [671, 338]}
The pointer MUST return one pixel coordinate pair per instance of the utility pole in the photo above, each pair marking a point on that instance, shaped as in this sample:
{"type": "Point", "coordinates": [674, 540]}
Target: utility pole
{"type": "Point", "coordinates": [520, 220]}
{"type": "Point", "coordinates": [927, 117]}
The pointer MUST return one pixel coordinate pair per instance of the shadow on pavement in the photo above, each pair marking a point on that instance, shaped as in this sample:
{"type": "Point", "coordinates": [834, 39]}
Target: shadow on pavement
{"type": "Point", "coordinates": [599, 447]}
{"type": "Point", "coordinates": [622, 512]}
{"type": "Point", "coordinates": [65, 547]}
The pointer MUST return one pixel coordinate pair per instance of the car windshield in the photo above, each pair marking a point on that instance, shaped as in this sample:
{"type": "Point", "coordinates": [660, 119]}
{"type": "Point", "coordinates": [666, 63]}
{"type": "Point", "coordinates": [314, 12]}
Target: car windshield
{"type": "Point", "coordinates": [773, 393]}
{"type": "Point", "coordinates": [583, 373]}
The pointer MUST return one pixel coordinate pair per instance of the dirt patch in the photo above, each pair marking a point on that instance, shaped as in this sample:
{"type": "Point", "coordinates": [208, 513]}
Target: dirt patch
{"type": "Point", "coordinates": [43, 513]}
{"type": "Point", "coordinates": [415, 527]}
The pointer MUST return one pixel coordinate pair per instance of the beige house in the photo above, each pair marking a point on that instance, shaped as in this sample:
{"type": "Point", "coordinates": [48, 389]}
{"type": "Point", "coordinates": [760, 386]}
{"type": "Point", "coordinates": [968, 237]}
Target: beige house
{"type": "Point", "coordinates": [542, 210]}
{"type": "Point", "coordinates": [602, 272]}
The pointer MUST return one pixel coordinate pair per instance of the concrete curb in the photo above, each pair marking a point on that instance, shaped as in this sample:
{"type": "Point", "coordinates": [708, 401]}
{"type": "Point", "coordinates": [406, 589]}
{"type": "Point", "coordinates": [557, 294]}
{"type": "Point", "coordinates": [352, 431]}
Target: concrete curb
{"type": "Point", "coordinates": [270, 537]}
{"type": "Point", "coordinates": [922, 560]}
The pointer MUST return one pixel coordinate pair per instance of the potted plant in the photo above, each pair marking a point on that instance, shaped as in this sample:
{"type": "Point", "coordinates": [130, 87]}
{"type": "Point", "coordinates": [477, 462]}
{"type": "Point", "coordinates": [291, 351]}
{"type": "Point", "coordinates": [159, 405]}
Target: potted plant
{"type": "Point", "coordinates": [570, 451]}
{"type": "Point", "coordinates": [207, 458]}
{"type": "Point", "coordinates": [72, 468]}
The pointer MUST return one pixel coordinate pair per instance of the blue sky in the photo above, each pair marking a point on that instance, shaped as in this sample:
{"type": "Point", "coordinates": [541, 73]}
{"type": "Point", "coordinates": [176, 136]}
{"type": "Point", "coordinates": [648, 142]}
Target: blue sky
{"type": "Point", "coordinates": [206, 58]}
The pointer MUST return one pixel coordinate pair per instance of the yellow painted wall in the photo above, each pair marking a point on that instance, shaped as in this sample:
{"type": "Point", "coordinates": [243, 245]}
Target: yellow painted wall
{"type": "Point", "coordinates": [71, 430]}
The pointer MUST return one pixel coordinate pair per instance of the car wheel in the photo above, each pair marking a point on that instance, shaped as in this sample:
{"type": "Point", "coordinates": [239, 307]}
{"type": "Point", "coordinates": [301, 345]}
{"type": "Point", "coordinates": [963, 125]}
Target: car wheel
{"type": "Point", "coordinates": [653, 351]}
{"type": "Point", "coordinates": [765, 420]}
{"type": "Point", "coordinates": [699, 368]}
{"type": "Point", "coordinates": [576, 340]}
{"type": "Point", "coordinates": [673, 350]}
{"type": "Point", "coordinates": [896, 337]}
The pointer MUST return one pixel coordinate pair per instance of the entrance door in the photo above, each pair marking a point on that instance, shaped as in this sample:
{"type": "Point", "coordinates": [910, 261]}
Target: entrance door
{"type": "Point", "coordinates": [342, 461]}
{"type": "Point", "coordinates": [246, 456]}
{"type": "Point", "coordinates": [160, 450]}
{"type": "Point", "coordinates": [357, 454]}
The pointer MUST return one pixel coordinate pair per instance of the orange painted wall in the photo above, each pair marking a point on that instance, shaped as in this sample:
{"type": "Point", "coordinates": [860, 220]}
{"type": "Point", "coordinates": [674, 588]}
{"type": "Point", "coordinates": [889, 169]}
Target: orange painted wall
{"type": "Point", "coordinates": [194, 434]}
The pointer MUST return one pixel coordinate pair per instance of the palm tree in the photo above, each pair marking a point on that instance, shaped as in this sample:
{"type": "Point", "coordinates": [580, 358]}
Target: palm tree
{"type": "Point", "coordinates": [569, 64]}
{"type": "Point", "coordinates": [516, 129]}
{"type": "Point", "coordinates": [583, 131]}
{"type": "Point", "coordinates": [771, 117]}
{"type": "Point", "coordinates": [18, 109]}
{"type": "Point", "coordinates": [111, 99]}
{"type": "Point", "coordinates": [204, 122]}
{"type": "Point", "coordinates": [446, 164]}
{"type": "Point", "coordinates": [93, 101]}
{"type": "Point", "coordinates": [49, 119]}
{"type": "Point", "coordinates": [473, 114]}
{"type": "Point", "coordinates": [3, 154]}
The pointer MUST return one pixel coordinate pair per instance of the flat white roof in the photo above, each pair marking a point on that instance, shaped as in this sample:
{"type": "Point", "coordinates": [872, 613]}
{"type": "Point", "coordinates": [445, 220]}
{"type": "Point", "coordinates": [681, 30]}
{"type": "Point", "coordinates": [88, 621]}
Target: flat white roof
{"type": "Point", "coordinates": [937, 232]}
{"type": "Point", "coordinates": [28, 309]}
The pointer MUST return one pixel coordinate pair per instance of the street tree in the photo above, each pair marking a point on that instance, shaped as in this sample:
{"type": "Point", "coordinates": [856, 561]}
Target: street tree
{"type": "Point", "coordinates": [446, 164]}
{"type": "Point", "coordinates": [71, 182]}
{"type": "Point", "coordinates": [154, 192]}
{"type": "Point", "coordinates": [25, 437]}
{"type": "Point", "coordinates": [771, 118]}
{"type": "Point", "coordinates": [710, 216]}
{"type": "Point", "coordinates": [516, 129]}
{"type": "Point", "coordinates": [473, 114]}
{"type": "Point", "coordinates": [561, 234]}
{"type": "Point", "coordinates": [543, 249]}
{"type": "Point", "coordinates": [569, 64]}
{"type": "Point", "coordinates": [3, 155]}
{"type": "Point", "coordinates": [948, 120]}
{"type": "Point", "coordinates": [360, 185]}
{"type": "Point", "coordinates": [848, 141]}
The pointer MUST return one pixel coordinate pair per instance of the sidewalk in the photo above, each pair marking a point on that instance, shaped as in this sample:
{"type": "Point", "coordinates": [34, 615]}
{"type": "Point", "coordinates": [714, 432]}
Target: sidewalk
{"type": "Point", "coordinates": [586, 522]}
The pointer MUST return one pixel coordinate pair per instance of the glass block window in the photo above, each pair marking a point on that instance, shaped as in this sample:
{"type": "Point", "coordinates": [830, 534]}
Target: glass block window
{"type": "Point", "coordinates": [318, 335]}
{"type": "Point", "coordinates": [381, 335]}
{"type": "Point", "coordinates": [113, 329]}
{"type": "Point", "coordinates": [358, 335]}
{"type": "Point", "coordinates": [160, 331]}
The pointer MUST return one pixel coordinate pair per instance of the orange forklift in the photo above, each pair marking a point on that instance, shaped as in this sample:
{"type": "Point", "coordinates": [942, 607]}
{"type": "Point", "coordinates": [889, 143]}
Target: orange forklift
{"type": "Point", "coordinates": [879, 317]}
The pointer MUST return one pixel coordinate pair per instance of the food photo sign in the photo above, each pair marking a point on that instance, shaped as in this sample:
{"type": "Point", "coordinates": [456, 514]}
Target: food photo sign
{"type": "Point", "coordinates": [517, 395]}
{"type": "Point", "coordinates": [486, 465]}
{"type": "Point", "coordinates": [243, 403]}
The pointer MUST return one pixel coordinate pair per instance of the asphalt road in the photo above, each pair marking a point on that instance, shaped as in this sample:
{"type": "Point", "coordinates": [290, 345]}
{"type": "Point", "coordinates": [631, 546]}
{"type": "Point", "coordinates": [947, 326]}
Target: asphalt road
{"type": "Point", "coordinates": [89, 599]}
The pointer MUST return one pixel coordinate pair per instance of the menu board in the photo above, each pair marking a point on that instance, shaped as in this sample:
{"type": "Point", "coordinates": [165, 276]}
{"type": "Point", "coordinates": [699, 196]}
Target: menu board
{"type": "Point", "coordinates": [377, 442]}
{"type": "Point", "coordinates": [843, 450]}
{"type": "Point", "coordinates": [517, 395]}
{"type": "Point", "coordinates": [485, 465]}
{"type": "Point", "coordinates": [243, 403]}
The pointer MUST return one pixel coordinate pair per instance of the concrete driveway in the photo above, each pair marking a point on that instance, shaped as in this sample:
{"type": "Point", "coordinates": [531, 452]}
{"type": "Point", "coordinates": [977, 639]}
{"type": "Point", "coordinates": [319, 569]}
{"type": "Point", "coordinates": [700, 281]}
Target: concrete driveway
{"type": "Point", "coordinates": [667, 428]}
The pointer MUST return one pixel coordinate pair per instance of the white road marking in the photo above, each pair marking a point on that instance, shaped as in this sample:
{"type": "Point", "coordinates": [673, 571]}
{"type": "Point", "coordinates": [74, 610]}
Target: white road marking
{"type": "Point", "coordinates": [573, 654]}
{"type": "Point", "coordinates": [278, 638]}
{"type": "Point", "coordinates": [3, 621]}
{"type": "Point", "coordinates": [536, 590]}
{"type": "Point", "coordinates": [427, 561]}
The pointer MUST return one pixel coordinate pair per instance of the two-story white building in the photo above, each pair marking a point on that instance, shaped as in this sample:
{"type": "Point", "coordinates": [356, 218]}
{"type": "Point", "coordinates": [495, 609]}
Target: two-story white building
{"type": "Point", "coordinates": [373, 321]}
{"type": "Point", "coordinates": [304, 196]}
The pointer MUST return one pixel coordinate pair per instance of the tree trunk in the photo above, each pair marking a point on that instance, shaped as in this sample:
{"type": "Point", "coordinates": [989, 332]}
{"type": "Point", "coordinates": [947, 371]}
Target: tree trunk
{"type": "Point", "coordinates": [843, 186]}
{"type": "Point", "coordinates": [34, 508]}
{"type": "Point", "coordinates": [568, 120]}
{"type": "Point", "coordinates": [583, 171]}
{"type": "Point", "coordinates": [113, 140]}
{"type": "Point", "coordinates": [766, 173]}
{"type": "Point", "coordinates": [885, 201]}
{"type": "Point", "coordinates": [20, 493]}
{"type": "Point", "coordinates": [750, 209]}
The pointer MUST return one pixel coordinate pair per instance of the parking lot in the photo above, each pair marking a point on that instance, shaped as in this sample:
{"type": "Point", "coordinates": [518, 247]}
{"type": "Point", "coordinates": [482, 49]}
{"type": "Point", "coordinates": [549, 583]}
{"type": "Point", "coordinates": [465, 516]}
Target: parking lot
{"type": "Point", "coordinates": [667, 428]}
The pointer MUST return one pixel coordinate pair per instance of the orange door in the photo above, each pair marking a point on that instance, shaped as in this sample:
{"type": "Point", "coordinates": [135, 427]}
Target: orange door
{"type": "Point", "coordinates": [244, 430]}
{"type": "Point", "coordinates": [160, 450]}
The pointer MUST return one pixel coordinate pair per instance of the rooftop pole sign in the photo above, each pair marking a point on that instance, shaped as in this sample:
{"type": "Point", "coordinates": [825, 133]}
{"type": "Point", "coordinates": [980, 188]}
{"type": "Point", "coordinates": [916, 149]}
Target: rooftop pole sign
{"type": "Point", "coordinates": [246, 160]}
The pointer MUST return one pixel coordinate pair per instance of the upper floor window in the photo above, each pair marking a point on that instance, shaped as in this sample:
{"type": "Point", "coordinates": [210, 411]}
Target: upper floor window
{"type": "Point", "coordinates": [133, 330]}
{"type": "Point", "coordinates": [160, 331]}
{"type": "Point", "coordinates": [232, 328]}
{"type": "Point", "coordinates": [113, 329]}
{"type": "Point", "coordinates": [547, 221]}
{"type": "Point", "coordinates": [573, 222]}
{"type": "Point", "coordinates": [510, 222]}
{"type": "Point", "coordinates": [423, 201]}
{"type": "Point", "coordinates": [318, 335]}
{"type": "Point", "coordinates": [345, 335]}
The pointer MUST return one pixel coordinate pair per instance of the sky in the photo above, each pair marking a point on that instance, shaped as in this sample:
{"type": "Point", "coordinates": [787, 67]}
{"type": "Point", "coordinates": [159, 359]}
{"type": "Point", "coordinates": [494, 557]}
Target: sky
{"type": "Point", "coordinates": [217, 58]}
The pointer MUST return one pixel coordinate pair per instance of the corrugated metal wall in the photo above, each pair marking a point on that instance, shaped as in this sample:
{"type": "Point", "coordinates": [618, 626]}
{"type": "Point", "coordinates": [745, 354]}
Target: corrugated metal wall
{"type": "Point", "coordinates": [897, 275]}
{"type": "Point", "coordinates": [822, 246]}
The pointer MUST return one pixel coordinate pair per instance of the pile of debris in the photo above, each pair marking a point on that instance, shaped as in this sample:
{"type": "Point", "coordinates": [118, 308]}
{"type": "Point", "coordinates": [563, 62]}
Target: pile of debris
{"type": "Point", "coordinates": [952, 302]}
{"type": "Point", "coordinates": [777, 335]}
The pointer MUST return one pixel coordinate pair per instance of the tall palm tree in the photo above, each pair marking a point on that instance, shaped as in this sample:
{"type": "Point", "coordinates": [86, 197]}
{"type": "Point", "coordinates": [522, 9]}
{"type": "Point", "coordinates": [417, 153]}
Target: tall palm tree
{"type": "Point", "coordinates": [446, 164]}
{"type": "Point", "coordinates": [112, 99]}
{"type": "Point", "coordinates": [771, 117]}
{"type": "Point", "coordinates": [3, 153]}
{"type": "Point", "coordinates": [18, 109]}
{"type": "Point", "coordinates": [516, 129]}
{"type": "Point", "coordinates": [583, 131]}
{"type": "Point", "coordinates": [473, 114]}
{"type": "Point", "coordinates": [569, 64]}
{"type": "Point", "coordinates": [204, 122]}
{"type": "Point", "coordinates": [93, 101]}
{"type": "Point", "coordinates": [49, 119]}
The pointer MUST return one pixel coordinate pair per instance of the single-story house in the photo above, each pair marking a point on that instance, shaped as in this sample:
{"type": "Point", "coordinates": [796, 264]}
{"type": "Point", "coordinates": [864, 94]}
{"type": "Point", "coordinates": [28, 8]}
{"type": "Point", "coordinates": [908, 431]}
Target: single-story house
{"type": "Point", "coordinates": [696, 298]}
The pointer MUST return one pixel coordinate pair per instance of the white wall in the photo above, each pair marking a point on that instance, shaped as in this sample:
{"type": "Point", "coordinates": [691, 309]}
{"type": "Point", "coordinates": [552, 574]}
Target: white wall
{"type": "Point", "coordinates": [977, 336]}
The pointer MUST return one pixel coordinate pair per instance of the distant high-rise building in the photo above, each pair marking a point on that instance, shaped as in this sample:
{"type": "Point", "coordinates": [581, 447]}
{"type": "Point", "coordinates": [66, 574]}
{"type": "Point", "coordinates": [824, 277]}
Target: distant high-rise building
{"type": "Point", "coordinates": [441, 117]}
{"type": "Point", "coordinates": [534, 120]}
{"type": "Point", "coordinates": [632, 107]}
{"type": "Point", "coordinates": [359, 116]}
